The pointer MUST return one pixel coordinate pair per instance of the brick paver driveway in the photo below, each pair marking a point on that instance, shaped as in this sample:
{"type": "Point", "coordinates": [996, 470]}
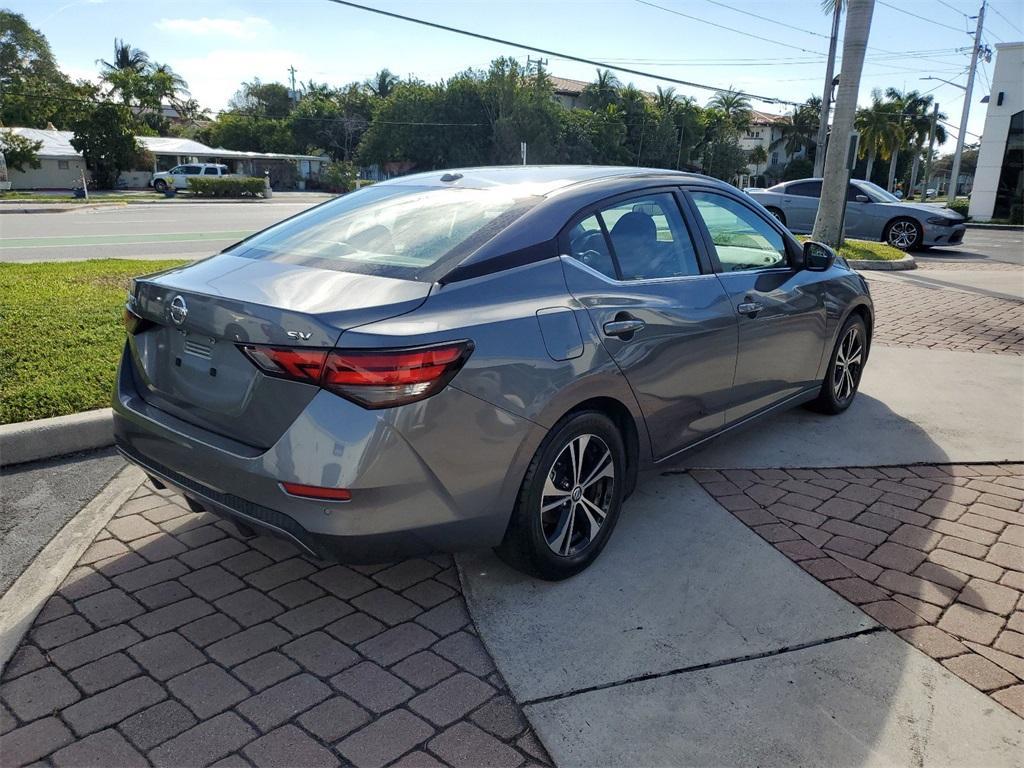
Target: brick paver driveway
{"type": "Point", "coordinates": [175, 642]}
{"type": "Point", "coordinates": [945, 318]}
{"type": "Point", "coordinates": [935, 553]}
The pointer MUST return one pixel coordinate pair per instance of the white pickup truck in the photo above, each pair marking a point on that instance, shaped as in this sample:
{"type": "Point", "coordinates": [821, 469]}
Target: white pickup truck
{"type": "Point", "coordinates": [179, 175]}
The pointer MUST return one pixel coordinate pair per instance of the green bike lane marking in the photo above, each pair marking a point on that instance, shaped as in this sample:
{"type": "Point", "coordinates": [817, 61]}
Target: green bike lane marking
{"type": "Point", "coordinates": [126, 239]}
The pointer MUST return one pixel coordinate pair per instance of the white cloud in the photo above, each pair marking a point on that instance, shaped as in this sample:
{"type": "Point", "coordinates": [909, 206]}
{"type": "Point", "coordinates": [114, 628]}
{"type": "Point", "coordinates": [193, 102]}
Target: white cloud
{"type": "Point", "coordinates": [214, 77]}
{"type": "Point", "coordinates": [242, 29]}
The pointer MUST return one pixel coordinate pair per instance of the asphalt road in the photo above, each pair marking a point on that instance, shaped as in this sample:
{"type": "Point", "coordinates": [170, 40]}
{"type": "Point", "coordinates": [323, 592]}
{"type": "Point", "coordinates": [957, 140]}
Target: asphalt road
{"type": "Point", "coordinates": [181, 229]}
{"type": "Point", "coordinates": [184, 229]}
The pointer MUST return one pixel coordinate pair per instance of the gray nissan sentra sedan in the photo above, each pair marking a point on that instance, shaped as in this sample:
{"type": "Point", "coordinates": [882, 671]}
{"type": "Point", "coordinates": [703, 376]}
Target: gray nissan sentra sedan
{"type": "Point", "coordinates": [482, 357]}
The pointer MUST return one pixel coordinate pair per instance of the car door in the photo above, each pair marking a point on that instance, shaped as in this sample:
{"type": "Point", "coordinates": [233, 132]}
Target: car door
{"type": "Point", "coordinates": [662, 314]}
{"type": "Point", "coordinates": [780, 309]}
{"type": "Point", "coordinates": [800, 204]}
{"type": "Point", "coordinates": [861, 215]}
{"type": "Point", "coordinates": [181, 180]}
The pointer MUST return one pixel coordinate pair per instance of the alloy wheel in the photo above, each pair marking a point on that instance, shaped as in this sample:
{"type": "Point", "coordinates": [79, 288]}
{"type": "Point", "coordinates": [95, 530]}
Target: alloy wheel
{"type": "Point", "coordinates": [849, 363]}
{"type": "Point", "coordinates": [577, 496]}
{"type": "Point", "coordinates": [903, 234]}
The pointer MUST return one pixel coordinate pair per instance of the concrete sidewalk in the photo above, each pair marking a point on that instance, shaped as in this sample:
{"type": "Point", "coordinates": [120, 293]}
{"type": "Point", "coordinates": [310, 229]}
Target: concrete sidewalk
{"type": "Point", "coordinates": [691, 642]}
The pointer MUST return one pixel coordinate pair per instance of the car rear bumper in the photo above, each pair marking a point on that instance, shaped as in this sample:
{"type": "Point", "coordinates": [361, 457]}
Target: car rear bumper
{"type": "Point", "coordinates": [439, 475]}
{"type": "Point", "coordinates": [936, 236]}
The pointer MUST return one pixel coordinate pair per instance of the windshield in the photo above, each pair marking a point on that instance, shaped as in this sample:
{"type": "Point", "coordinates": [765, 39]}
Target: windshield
{"type": "Point", "coordinates": [394, 231]}
{"type": "Point", "coordinates": [876, 193]}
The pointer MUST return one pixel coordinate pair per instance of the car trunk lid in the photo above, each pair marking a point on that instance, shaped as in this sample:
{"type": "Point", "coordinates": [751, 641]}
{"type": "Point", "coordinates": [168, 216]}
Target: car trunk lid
{"type": "Point", "coordinates": [188, 358]}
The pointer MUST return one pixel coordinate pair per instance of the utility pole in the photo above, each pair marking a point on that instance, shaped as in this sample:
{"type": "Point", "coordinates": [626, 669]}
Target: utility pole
{"type": "Point", "coordinates": [291, 73]}
{"type": "Point", "coordinates": [928, 159]}
{"type": "Point", "coordinates": [962, 133]}
{"type": "Point", "coordinates": [826, 98]}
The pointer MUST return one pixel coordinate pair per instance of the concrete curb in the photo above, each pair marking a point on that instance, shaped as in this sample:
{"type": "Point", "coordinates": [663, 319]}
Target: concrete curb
{"type": "Point", "coordinates": [20, 605]}
{"type": "Point", "coordinates": [57, 436]}
{"type": "Point", "coordinates": [54, 207]}
{"type": "Point", "coordinates": [65, 208]}
{"type": "Point", "coordinates": [907, 262]}
{"type": "Point", "coordinates": [982, 225]}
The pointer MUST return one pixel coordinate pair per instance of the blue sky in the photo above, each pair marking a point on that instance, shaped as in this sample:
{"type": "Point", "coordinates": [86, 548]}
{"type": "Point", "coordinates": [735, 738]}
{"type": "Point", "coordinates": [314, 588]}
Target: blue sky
{"type": "Point", "coordinates": [217, 45]}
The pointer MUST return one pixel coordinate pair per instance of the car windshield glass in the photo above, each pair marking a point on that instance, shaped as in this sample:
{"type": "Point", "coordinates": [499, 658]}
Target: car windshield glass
{"type": "Point", "coordinates": [394, 231]}
{"type": "Point", "coordinates": [876, 193]}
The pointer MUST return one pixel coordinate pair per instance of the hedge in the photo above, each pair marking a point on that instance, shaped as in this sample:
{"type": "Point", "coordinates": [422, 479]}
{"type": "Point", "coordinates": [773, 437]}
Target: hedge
{"type": "Point", "coordinates": [960, 206]}
{"type": "Point", "coordinates": [226, 186]}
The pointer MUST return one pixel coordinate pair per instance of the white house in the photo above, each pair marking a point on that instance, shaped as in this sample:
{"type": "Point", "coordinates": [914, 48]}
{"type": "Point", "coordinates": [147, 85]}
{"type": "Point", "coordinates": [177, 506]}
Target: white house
{"type": "Point", "coordinates": [61, 165]}
{"type": "Point", "coordinates": [765, 129]}
{"type": "Point", "coordinates": [999, 177]}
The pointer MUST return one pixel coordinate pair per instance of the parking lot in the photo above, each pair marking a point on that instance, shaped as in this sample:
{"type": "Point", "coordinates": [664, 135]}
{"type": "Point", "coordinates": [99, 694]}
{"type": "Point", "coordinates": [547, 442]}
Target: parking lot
{"type": "Point", "coordinates": [867, 570]}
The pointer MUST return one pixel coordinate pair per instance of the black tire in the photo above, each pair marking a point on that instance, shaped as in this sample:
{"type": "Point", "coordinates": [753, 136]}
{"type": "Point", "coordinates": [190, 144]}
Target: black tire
{"type": "Point", "coordinates": [837, 394]}
{"type": "Point", "coordinates": [904, 233]}
{"type": "Point", "coordinates": [160, 185]}
{"type": "Point", "coordinates": [527, 546]}
{"type": "Point", "coordinates": [778, 214]}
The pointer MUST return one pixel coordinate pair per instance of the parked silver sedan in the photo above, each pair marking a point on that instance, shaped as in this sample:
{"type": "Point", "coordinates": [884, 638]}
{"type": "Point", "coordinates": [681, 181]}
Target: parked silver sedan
{"type": "Point", "coordinates": [871, 214]}
{"type": "Point", "coordinates": [483, 357]}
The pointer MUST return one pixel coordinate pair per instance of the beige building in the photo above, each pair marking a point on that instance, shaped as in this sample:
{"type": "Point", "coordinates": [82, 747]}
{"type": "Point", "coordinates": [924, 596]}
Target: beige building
{"type": "Point", "coordinates": [61, 165]}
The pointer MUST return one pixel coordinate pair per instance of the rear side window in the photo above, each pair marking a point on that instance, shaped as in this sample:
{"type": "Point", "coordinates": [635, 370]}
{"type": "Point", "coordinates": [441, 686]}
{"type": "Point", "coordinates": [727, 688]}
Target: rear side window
{"type": "Point", "coordinates": [398, 231]}
{"type": "Point", "coordinates": [646, 239]}
{"type": "Point", "coordinates": [805, 189]}
{"type": "Point", "coordinates": [210, 172]}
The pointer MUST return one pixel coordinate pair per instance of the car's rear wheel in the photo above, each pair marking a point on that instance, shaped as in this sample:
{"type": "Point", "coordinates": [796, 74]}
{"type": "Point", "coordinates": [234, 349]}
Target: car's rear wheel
{"type": "Point", "coordinates": [845, 367]}
{"type": "Point", "coordinates": [160, 185]}
{"type": "Point", "coordinates": [778, 214]}
{"type": "Point", "coordinates": [570, 499]}
{"type": "Point", "coordinates": [904, 234]}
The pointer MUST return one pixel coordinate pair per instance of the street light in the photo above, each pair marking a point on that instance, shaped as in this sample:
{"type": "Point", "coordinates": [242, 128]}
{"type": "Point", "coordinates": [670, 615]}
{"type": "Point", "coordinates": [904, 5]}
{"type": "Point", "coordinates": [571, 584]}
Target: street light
{"type": "Point", "coordinates": [948, 82]}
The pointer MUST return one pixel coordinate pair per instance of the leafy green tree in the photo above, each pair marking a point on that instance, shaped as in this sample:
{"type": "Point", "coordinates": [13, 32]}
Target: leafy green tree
{"type": "Point", "coordinates": [19, 151]}
{"type": "Point", "coordinates": [33, 90]}
{"type": "Point", "coordinates": [798, 132]}
{"type": "Point", "coordinates": [332, 121]}
{"type": "Point", "coordinates": [248, 134]}
{"type": "Point", "coordinates": [262, 99]}
{"type": "Point", "coordinates": [106, 139]}
{"type": "Point", "coordinates": [758, 156]}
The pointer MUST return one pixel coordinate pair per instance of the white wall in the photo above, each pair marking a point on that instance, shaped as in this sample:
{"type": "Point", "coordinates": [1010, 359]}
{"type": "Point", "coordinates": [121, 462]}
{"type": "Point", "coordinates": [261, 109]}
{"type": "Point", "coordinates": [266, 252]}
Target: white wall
{"type": "Point", "coordinates": [49, 174]}
{"type": "Point", "coordinates": [1008, 78]}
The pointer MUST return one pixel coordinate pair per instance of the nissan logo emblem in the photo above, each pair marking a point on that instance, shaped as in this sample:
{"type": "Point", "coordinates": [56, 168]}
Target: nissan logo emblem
{"type": "Point", "coordinates": [179, 310]}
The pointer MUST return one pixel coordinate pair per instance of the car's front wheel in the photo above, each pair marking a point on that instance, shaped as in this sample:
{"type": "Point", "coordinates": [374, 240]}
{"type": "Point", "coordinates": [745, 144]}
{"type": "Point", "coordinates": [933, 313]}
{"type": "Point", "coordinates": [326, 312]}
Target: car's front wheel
{"type": "Point", "coordinates": [904, 234]}
{"type": "Point", "coordinates": [844, 369]}
{"type": "Point", "coordinates": [570, 499]}
{"type": "Point", "coordinates": [160, 185]}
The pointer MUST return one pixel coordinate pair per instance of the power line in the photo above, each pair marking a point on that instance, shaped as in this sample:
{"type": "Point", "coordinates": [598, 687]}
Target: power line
{"type": "Point", "coordinates": [953, 8]}
{"type": "Point", "coordinates": [769, 20]}
{"type": "Point", "coordinates": [1000, 15]}
{"type": "Point", "coordinates": [568, 56]}
{"type": "Point", "coordinates": [921, 18]}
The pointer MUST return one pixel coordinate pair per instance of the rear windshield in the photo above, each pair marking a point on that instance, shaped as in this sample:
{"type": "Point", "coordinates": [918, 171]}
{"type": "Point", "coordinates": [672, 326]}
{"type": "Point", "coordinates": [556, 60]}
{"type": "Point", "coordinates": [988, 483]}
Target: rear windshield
{"type": "Point", "coordinates": [409, 232]}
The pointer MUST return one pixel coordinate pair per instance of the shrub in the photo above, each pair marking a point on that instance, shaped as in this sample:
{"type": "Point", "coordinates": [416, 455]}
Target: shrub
{"type": "Point", "coordinates": [960, 206]}
{"type": "Point", "coordinates": [225, 186]}
{"type": "Point", "coordinates": [338, 177]}
{"type": "Point", "coordinates": [1017, 214]}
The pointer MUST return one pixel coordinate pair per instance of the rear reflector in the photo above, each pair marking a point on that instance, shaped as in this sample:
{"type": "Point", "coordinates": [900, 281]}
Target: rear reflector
{"type": "Point", "coordinates": [316, 492]}
{"type": "Point", "coordinates": [373, 378]}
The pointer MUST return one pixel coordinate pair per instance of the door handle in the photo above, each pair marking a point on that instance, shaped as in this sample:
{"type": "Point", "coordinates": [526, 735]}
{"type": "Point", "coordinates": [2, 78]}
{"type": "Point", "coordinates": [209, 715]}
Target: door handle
{"type": "Point", "coordinates": [624, 328]}
{"type": "Point", "coordinates": [749, 308]}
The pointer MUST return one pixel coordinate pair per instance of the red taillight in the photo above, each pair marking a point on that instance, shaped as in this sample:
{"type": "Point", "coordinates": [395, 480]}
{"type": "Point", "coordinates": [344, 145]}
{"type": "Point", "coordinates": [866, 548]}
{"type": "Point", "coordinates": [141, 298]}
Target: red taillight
{"type": "Point", "coordinates": [374, 378]}
{"type": "Point", "coordinates": [316, 492]}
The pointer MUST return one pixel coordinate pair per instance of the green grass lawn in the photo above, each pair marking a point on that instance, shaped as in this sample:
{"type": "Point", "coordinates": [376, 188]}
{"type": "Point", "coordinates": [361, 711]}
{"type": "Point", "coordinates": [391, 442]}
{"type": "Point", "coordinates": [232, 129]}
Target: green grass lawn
{"type": "Point", "coordinates": [61, 334]}
{"type": "Point", "coordinates": [867, 250]}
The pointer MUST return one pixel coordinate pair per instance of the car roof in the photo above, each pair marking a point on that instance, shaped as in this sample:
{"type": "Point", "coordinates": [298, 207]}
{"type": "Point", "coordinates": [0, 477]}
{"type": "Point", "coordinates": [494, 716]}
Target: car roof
{"type": "Point", "coordinates": [541, 180]}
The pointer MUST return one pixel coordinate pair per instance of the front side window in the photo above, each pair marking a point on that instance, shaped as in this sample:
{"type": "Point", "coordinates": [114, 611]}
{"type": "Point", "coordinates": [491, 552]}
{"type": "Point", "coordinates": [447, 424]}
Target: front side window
{"type": "Point", "coordinates": [190, 170]}
{"type": "Point", "coordinates": [399, 231]}
{"type": "Point", "coordinates": [743, 240]}
{"type": "Point", "coordinates": [177, 170]}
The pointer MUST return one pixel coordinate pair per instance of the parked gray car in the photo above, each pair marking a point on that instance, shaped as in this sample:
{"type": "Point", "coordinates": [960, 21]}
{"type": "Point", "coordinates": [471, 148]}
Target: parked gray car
{"type": "Point", "coordinates": [483, 357]}
{"type": "Point", "coordinates": [871, 214]}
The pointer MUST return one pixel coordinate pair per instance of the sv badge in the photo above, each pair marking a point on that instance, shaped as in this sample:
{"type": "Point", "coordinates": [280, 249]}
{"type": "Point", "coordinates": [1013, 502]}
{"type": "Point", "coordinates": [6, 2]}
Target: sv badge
{"type": "Point", "coordinates": [299, 335]}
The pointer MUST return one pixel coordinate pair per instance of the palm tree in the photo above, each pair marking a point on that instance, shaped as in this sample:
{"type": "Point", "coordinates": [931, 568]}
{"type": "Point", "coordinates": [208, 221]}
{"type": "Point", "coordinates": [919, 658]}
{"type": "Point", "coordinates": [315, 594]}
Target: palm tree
{"type": "Point", "coordinates": [383, 83]}
{"type": "Point", "coordinates": [798, 132]}
{"type": "Point", "coordinates": [734, 105]}
{"type": "Point", "coordinates": [833, 187]}
{"type": "Point", "coordinates": [665, 99]}
{"type": "Point", "coordinates": [757, 156]}
{"type": "Point", "coordinates": [880, 131]}
{"type": "Point", "coordinates": [602, 92]}
{"type": "Point", "coordinates": [915, 119]}
{"type": "Point", "coordinates": [125, 57]}
{"type": "Point", "coordinates": [177, 82]}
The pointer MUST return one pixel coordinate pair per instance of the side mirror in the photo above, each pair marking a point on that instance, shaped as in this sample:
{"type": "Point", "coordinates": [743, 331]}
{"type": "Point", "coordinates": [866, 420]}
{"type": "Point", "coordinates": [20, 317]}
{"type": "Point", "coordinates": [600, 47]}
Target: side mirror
{"type": "Point", "coordinates": [818, 257]}
{"type": "Point", "coordinates": [863, 199]}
